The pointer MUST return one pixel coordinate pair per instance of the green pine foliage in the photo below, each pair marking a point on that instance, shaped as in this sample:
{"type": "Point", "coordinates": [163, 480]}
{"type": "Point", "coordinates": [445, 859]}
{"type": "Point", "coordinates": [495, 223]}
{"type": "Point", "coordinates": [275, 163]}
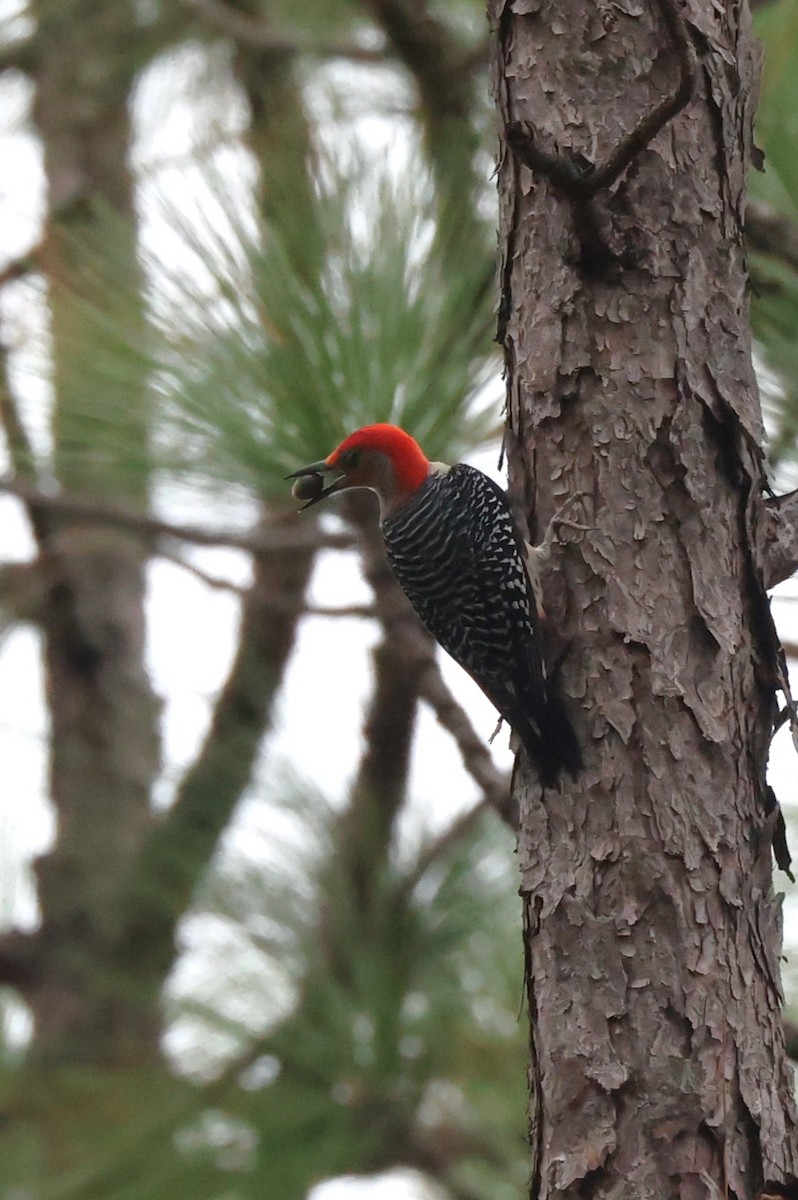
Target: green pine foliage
{"type": "Point", "coordinates": [774, 268]}
{"type": "Point", "coordinates": [273, 369]}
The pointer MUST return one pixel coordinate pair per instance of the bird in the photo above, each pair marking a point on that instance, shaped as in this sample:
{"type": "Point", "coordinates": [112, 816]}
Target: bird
{"type": "Point", "coordinates": [457, 554]}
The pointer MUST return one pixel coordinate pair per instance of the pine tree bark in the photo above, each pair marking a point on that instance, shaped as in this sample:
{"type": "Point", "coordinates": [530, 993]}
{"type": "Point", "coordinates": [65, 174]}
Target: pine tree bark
{"type": "Point", "coordinates": [652, 930]}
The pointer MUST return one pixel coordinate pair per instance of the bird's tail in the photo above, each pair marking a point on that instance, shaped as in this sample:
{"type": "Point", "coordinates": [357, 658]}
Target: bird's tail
{"type": "Point", "coordinates": [550, 739]}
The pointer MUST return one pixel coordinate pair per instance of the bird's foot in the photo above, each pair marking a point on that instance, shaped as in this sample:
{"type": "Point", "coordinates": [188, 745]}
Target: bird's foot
{"type": "Point", "coordinates": [496, 731]}
{"type": "Point", "coordinates": [560, 521]}
{"type": "Point", "coordinates": [538, 556]}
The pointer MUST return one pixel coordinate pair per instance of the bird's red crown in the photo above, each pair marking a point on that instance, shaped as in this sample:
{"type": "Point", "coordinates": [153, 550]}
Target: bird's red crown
{"type": "Point", "coordinates": [409, 462]}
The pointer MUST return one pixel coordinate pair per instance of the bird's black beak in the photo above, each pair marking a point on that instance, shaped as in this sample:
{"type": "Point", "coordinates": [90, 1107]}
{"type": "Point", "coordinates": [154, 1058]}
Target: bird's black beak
{"type": "Point", "coordinates": [315, 482]}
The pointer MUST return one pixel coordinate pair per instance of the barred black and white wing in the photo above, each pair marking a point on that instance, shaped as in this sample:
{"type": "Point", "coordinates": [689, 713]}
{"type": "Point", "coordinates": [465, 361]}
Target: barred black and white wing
{"type": "Point", "coordinates": [456, 554]}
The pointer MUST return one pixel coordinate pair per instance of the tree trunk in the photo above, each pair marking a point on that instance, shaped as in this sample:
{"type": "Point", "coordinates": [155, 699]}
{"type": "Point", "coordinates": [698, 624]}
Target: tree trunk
{"type": "Point", "coordinates": [652, 930]}
{"type": "Point", "coordinates": [104, 739]}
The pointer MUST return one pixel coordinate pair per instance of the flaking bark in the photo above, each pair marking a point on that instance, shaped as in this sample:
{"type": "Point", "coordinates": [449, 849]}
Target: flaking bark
{"type": "Point", "coordinates": [652, 930]}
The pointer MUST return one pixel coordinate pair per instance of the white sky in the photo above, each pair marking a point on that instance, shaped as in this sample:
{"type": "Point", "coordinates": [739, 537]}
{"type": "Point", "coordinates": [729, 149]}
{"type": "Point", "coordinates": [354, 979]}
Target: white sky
{"type": "Point", "coordinates": [193, 628]}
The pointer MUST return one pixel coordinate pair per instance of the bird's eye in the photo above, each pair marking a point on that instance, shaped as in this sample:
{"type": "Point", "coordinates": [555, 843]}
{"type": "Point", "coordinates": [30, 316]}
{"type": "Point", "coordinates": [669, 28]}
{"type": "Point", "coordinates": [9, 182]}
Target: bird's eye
{"type": "Point", "coordinates": [349, 459]}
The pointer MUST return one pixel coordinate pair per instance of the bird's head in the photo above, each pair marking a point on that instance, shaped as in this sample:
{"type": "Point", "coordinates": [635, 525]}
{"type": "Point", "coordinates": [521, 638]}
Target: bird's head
{"type": "Point", "coordinates": [381, 457]}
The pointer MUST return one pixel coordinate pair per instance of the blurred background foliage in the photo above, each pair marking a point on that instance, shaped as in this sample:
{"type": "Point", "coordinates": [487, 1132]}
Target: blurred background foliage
{"type": "Point", "coordinates": [772, 229]}
{"type": "Point", "coordinates": [239, 231]}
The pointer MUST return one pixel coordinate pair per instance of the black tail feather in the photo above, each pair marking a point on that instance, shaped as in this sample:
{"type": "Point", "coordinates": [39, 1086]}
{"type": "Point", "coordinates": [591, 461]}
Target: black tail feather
{"type": "Point", "coordinates": [550, 739]}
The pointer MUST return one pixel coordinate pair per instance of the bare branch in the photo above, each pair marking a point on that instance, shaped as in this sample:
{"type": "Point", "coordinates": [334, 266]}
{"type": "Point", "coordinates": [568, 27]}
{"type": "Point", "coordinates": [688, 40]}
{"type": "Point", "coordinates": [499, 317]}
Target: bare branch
{"type": "Point", "coordinates": [212, 581]}
{"type": "Point", "coordinates": [268, 539]}
{"type": "Point", "coordinates": [426, 47]}
{"type": "Point", "coordinates": [19, 55]}
{"type": "Point", "coordinates": [476, 757]}
{"type": "Point", "coordinates": [23, 265]}
{"type": "Point", "coordinates": [379, 790]}
{"type": "Point", "coordinates": [250, 32]}
{"type": "Point", "coordinates": [20, 447]}
{"type": "Point", "coordinates": [22, 592]}
{"type": "Point", "coordinates": [19, 959]}
{"type": "Point", "coordinates": [477, 58]}
{"type": "Point", "coordinates": [365, 611]}
{"type": "Point", "coordinates": [276, 604]}
{"type": "Point", "coordinates": [440, 847]}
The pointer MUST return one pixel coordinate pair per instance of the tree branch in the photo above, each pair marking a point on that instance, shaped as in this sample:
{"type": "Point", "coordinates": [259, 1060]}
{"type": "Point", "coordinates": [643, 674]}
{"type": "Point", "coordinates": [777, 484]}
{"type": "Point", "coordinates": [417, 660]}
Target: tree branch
{"type": "Point", "coordinates": [22, 592]}
{"type": "Point", "coordinates": [19, 959]}
{"type": "Point", "coordinates": [476, 757]}
{"type": "Point", "coordinates": [279, 604]}
{"type": "Point", "coordinates": [177, 852]}
{"type": "Point", "coordinates": [19, 55]}
{"type": "Point", "coordinates": [430, 53]}
{"type": "Point", "coordinates": [270, 538]}
{"type": "Point", "coordinates": [24, 264]}
{"type": "Point", "coordinates": [20, 448]}
{"type": "Point", "coordinates": [366, 827]}
{"type": "Point", "coordinates": [364, 831]}
{"type": "Point", "coordinates": [440, 847]}
{"type": "Point", "coordinates": [257, 34]}
{"type": "Point", "coordinates": [444, 73]}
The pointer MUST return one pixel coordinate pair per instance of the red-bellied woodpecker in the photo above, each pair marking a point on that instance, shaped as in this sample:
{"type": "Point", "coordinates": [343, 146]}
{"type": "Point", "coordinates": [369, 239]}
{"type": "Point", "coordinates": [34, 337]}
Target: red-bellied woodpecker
{"type": "Point", "coordinates": [455, 550]}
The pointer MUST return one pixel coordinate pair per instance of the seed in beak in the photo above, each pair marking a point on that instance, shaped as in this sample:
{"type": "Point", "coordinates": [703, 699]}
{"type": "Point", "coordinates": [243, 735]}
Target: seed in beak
{"type": "Point", "coordinates": [308, 487]}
